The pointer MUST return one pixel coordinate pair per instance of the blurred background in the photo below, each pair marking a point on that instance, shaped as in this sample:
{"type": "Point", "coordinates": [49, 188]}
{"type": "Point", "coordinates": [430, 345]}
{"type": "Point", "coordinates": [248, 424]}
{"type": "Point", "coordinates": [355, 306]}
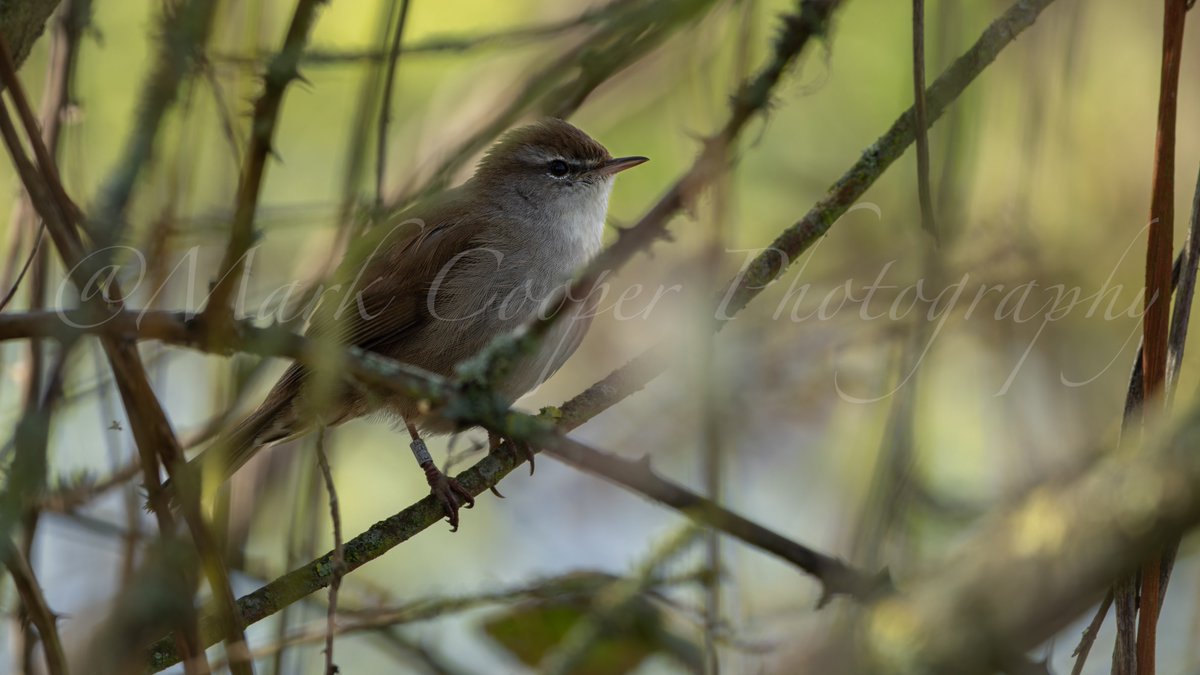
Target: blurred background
{"type": "Point", "coordinates": [857, 427]}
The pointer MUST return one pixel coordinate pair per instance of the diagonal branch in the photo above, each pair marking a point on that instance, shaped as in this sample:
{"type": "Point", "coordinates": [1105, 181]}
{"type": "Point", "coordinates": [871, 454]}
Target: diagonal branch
{"type": "Point", "coordinates": [1022, 576]}
{"type": "Point", "coordinates": [811, 19]}
{"type": "Point", "coordinates": [465, 406]}
{"type": "Point", "coordinates": [385, 103]}
{"type": "Point", "coordinates": [35, 601]}
{"type": "Point", "coordinates": [184, 31]}
{"type": "Point", "coordinates": [796, 239]}
{"type": "Point", "coordinates": [923, 192]}
{"type": "Point", "coordinates": [282, 71]}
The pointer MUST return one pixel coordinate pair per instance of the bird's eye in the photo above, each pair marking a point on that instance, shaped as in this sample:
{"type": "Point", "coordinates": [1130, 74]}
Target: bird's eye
{"type": "Point", "coordinates": [558, 168]}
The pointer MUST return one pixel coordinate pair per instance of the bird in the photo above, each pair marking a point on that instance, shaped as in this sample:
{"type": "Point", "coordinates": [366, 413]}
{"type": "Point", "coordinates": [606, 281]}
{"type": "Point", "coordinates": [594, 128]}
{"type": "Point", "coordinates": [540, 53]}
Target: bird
{"type": "Point", "coordinates": [437, 283]}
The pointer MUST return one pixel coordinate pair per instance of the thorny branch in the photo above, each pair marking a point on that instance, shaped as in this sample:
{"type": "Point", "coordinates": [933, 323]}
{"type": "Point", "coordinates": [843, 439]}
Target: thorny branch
{"type": "Point", "coordinates": [796, 239]}
{"type": "Point", "coordinates": [407, 523]}
{"type": "Point", "coordinates": [26, 481]}
{"type": "Point", "coordinates": [155, 439]}
{"type": "Point", "coordinates": [811, 19]}
{"type": "Point", "coordinates": [33, 613]}
{"type": "Point", "coordinates": [551, 93]}
{"type": "Point", "coordinates": [281, 72]}
{"type": "Point", "coordinates": [466, 407]}
{"type": "Point", "coordinates": [382, 373]}
{"type": "Point", "coordinates": [31, 595]}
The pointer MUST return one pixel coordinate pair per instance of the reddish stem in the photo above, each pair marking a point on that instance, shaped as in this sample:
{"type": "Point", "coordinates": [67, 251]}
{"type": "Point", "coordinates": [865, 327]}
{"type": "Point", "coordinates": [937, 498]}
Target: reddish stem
{"type": "Point", "coordinates": [1158, 288]}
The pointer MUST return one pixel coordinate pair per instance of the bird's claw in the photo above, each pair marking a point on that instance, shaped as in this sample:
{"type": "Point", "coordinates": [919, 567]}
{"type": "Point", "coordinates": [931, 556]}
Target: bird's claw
{"type": "Point", "coordinates": [449, 492]}
{"type": "Point", "coordinates": [522, 449]}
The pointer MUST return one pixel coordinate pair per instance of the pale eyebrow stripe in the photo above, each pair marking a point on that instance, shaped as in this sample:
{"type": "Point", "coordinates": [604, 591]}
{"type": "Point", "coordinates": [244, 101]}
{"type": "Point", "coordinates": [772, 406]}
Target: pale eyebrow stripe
{"type": "Point", "coordinates": [540, 155]}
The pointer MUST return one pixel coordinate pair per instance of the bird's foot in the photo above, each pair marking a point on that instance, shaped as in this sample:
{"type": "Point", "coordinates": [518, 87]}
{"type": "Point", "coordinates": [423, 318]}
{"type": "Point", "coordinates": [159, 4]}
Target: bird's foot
{"type": "Point", "coordinates": [449, 492]}
{"type": "Point", "coordinates": [522, 449]}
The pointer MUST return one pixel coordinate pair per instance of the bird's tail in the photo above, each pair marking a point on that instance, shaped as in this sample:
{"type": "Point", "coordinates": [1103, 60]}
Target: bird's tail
{"type": "Point", "coordinates": [270, 423]}
{"type": "Point", "coordinates": [275, 420]}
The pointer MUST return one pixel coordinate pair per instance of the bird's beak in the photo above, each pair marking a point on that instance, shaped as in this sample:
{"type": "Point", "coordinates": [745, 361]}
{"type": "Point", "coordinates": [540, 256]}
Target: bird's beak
{"type": "Point", "coordinates": [619, 164]}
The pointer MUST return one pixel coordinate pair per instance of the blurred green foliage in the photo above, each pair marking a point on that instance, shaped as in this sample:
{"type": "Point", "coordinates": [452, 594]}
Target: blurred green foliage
{"type": "Point", "coordinates": [1041, 172]}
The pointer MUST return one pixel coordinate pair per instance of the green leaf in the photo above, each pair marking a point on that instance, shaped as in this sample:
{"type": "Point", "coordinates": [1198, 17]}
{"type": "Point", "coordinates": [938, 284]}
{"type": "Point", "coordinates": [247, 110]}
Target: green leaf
{"type": "Point", "coordinates": [531, 630]}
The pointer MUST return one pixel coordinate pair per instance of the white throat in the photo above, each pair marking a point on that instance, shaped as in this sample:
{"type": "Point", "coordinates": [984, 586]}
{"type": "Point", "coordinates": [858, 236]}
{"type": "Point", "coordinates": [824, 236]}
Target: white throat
{"type": "Point", "coordinates": [583, 226]}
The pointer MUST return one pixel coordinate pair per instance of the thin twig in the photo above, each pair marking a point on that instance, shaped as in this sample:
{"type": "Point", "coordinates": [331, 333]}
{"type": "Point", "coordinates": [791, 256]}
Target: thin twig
{"type": "Point", "coordinates": [36, 402]}
{"type": "Point", "coordinates": [18, 228]}
{"type": "Point", "coordinates": [385, 105]}
{"type": "Point", "coordinates": [26, 480]}
{"type": "Point", "coordinates": [282, 71]}
{"type": "Point", "coordinates": [713, 398]}
{"type": "Point", "coordinates": [185, 30]}
{"type": "Point", "coordinates": [1090, 633]}
{"type": "Point", "coordinates": [34, 602]}
{"type": "Point", "coordinates": [223, 112]}
{"type": "Point", "coordinates": [64, 45]}
{"type": "Point", "coordinates": [1184, 288]}
{"type": "Point", "coordinates": [69, 498]}
{"type": "Point", "coordinates": [339, 556]}
{"type": "Point", "coordinates": [928, 223]}
{"type": "Point", "coordinates": [12, 291]}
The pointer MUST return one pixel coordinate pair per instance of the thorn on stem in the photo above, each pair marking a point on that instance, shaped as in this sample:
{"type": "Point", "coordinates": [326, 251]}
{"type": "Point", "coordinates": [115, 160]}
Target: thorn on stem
{"type": "Point", "coordinates": [826, 597]}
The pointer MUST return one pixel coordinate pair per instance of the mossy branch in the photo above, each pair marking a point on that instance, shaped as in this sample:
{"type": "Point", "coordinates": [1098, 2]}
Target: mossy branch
{"type": "Point", "coordinates": [796, 239]}
{"type": "Point", "coordinates": [464, 405]}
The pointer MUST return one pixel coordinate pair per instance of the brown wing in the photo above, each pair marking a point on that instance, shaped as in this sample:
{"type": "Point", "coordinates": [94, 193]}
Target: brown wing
{"type": "Point", "coordinates": [379, 302]}
{"type": "Point", "coordinates": [384, 279]}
